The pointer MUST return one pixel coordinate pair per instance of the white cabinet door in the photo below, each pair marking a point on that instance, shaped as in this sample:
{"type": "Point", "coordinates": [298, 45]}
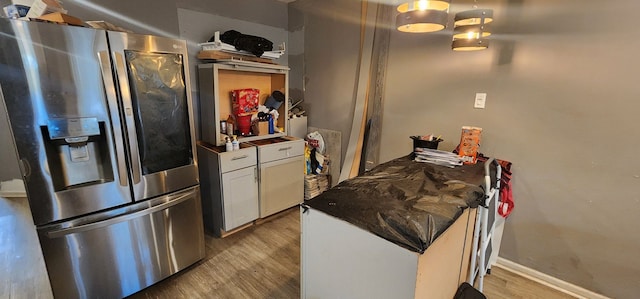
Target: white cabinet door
{"type": "Point", "coordinates": [281, 185]}
{"type": "Point", "coordinates": [239, 197]}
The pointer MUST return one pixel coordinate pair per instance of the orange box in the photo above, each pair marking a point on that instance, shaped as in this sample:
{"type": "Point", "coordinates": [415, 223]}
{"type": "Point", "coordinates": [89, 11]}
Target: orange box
{"type": "Point", "coordinates": [469, 144]}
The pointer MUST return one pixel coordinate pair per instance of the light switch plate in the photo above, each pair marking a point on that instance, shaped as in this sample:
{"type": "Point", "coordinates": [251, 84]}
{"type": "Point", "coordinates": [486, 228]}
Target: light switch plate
{"type": "Point", "coordinates": [481, 98]}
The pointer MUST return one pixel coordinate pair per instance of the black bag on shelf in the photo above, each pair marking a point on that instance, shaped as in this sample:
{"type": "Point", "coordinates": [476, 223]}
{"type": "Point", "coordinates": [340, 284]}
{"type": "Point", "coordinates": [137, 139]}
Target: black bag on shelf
{"type": "Point", "coordinates": [254, 44]}
{"type": "Point", "coordinates": [466, 291]}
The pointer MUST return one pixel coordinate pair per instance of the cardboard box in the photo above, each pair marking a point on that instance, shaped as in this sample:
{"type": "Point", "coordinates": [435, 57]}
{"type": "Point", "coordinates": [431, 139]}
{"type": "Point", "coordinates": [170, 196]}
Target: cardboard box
{"type": "Point", "coordinates": [106, 26]}
{"type": "Point", "coordinates": [61, 18]}
{"type": "Point", "coordinates": [43, 7]}
{"type": "Point", "coordinates": [263, 128]}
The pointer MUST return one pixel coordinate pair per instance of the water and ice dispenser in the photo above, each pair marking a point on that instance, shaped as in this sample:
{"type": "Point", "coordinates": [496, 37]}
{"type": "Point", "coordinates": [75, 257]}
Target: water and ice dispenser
{"type": "Point", "coordinates": [77, 152]}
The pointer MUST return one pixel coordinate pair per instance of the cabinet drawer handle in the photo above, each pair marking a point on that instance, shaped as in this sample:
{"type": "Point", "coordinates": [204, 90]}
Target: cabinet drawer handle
{"type": "Point", "coordinates": [239, 157]}
{"type": "Point", "coordinates": [285, 149]}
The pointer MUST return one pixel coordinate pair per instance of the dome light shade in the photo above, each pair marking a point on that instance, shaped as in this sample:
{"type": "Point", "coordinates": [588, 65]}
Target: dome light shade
{"type": "Point", "coordinates": [424, 5]}
{"type": "Point", "coordinates": [473, 17]}
{"type": "Point", "coordinates": [470, 31]}
{"type": "Point", "coordinates": [419, 21]}
{"type": "Point", "coordinates": [470, 44]}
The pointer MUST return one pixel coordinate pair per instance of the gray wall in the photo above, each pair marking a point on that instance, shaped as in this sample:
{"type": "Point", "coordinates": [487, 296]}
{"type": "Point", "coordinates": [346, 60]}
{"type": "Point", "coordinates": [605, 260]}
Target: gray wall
{"type": "Point", "coordinates": [562, 98]}
{"type": "Point", "coordinates": [331, 43]}
{"type": "Point", "coordinates": [562, 103]}
{"type": "Point", "coordinates": [142, 16]}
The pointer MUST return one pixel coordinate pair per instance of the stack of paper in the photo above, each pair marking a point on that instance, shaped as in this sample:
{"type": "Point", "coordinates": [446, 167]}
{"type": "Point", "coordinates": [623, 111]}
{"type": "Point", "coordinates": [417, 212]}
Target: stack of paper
{"type": "Point", "coordinates": [437, 157]}
{"type": "Point", "coordinates": [314, 185]}
{"type": "Point", "coordinates": [323, 183]}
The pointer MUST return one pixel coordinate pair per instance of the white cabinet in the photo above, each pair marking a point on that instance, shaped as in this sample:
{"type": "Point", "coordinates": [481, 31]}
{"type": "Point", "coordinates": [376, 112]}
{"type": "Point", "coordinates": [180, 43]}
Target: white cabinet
{"type": "Point", "coordinates": [281, 165]}
{"type": "Point", "coordinates": [342, 260]}
{"type": "Point", "coordinates": [266, 175]}
{"type": "Point", "coordinates": [297, 127]}
{"type": "Point", "coordinates": [281, 185]}
{"type": "Point", "coordinates": [239, 195]}
{"type": "Point", "coordinates": [229, 182]}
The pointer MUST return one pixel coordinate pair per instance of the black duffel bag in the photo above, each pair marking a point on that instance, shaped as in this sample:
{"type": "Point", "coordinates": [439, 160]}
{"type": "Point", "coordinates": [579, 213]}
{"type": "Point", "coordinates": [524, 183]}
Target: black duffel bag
{"type": "Point", "coordinates": [254, 44]}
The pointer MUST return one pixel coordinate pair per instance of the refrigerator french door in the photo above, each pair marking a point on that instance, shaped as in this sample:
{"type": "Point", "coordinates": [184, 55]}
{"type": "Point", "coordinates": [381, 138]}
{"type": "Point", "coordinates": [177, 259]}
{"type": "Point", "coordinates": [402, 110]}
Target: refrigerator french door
{"type": "Point", "coordinates": [154, 88]}
{"type": "Point", "coordinates": [104, 134]}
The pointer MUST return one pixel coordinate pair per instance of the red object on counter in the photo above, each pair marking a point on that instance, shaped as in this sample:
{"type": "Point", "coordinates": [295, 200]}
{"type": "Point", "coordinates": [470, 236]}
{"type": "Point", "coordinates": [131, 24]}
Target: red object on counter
{"type": "Point", "coordinates": [244, 124]}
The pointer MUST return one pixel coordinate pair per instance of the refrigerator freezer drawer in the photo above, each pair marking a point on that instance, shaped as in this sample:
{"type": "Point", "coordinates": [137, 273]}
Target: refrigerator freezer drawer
{"type": "Point", "coordinates": [119, 256]}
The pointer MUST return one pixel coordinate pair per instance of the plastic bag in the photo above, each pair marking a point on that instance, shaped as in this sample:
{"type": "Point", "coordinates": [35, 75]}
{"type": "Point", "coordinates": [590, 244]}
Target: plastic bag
{"type": "Point", "coordinates": [315, 140]}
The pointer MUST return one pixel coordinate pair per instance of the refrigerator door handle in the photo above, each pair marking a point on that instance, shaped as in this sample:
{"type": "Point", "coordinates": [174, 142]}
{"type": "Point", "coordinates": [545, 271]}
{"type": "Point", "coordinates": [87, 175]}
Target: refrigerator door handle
{"type": "Point", "coordinates": [125, 93]}
{"type": "Point", "coordinates": [110, 90]}
{"type": "Point", "coordinates": [171, 201]}
{"type": "Point", "coordinates": [25, 168]}
{"type": "Point", "coordinates": [23, 164]}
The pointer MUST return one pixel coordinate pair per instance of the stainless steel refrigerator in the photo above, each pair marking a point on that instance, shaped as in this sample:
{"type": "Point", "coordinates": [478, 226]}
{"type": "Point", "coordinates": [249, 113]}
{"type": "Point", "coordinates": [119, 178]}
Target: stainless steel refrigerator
{"type": "Point", "coordinates": [103, 128]}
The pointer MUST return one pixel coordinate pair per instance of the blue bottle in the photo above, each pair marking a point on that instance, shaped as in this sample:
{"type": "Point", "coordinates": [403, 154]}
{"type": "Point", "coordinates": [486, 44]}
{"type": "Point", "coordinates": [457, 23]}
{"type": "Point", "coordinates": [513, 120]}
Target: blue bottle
{"type": "Point", "coordinates": [271, 129]}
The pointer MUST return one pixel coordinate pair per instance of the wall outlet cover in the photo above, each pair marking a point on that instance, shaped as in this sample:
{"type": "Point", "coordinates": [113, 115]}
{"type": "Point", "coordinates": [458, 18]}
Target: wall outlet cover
{"type": "Point", "coordinates": [480, 100]}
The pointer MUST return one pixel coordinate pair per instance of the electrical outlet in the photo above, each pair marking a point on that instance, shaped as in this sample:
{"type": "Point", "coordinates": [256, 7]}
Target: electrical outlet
{"type": "Point", "coordinates": [480, 100]}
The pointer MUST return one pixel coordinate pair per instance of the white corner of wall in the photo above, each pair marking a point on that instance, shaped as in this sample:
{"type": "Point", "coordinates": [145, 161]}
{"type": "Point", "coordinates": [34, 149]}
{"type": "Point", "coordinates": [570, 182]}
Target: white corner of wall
{"type": "Point", "coordinates": [548, 280]}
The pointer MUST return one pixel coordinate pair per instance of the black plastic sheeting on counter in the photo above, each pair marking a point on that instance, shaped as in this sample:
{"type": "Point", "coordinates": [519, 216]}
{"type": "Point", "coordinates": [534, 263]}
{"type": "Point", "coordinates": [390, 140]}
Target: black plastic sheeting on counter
{"type": "Point", "coordinates": [406, 202]}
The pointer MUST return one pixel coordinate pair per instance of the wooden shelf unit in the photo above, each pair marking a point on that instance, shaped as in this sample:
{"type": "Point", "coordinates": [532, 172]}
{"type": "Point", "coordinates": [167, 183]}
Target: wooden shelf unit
{"type": "Point", "coordinates": [218, 80]}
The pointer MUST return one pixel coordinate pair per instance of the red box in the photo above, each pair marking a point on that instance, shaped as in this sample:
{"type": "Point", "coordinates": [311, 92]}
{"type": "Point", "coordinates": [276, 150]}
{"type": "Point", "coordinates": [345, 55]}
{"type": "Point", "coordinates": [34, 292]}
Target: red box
{"type": "Point", "coordinates": [245, 101]}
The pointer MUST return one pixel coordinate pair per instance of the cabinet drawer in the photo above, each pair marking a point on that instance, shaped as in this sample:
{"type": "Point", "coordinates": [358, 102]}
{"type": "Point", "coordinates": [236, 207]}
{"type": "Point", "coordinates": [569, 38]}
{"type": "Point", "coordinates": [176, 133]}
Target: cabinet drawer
{"type": "Point", "coordinates": [281, 150]}
{"type": "Point", "coordinates": [242, 158]}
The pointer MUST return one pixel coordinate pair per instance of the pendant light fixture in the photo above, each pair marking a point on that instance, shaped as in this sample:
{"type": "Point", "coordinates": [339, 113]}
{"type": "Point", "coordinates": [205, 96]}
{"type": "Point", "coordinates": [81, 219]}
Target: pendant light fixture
{"type": "Point", "coordinates": [422, 16]}
{"type": "Point", "coordinates": [470, 29]}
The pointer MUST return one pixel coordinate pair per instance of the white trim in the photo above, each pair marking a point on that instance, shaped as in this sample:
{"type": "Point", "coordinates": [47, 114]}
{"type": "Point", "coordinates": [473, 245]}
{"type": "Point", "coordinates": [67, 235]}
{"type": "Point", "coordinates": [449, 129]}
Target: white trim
{"type": "Point", "coordinates": [9, 194]}
{"type": "Point", "coordinates": [547, 280]}
{"type": "Point", "coordinates": [12, 188]}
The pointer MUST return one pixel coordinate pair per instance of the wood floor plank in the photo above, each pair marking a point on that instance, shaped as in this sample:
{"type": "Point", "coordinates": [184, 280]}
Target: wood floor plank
{"type": "Point", "coordinates": [503, 284]}
{"type": "Point", "coordinates": [262, 261]}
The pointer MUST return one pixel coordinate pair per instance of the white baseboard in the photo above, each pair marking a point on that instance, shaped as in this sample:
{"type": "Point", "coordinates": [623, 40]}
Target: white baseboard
{"type": "Point", "coordinates": [13, 188]}
{"type": "Point", "coordinates": [547, 280]}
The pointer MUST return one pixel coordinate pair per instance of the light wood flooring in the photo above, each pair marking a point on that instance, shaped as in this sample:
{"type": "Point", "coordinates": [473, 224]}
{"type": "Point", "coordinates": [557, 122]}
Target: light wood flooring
{"type": "Point", "coordinates": [261, 261]}
{"type": "Point", "coordinates": [22, 271]}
